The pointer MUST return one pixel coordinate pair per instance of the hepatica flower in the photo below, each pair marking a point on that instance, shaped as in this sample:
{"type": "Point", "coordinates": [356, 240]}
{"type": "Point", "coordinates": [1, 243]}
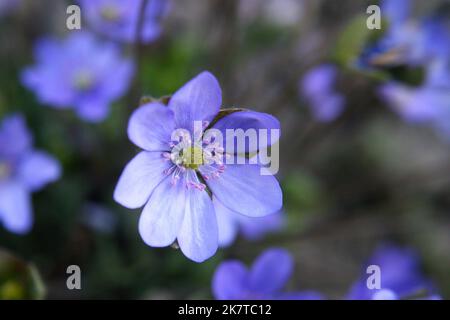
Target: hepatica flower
{"type": "Point", "coordinates": [401, 277]}
{"type": "Point", "coordinates": [181, 180]}
{"type": "Point", "coordinates": [428, 103]}
{"type": "Point", "coordinates": [318, 87]}
{"type": "Point", "coordinates": [80, 73]}
{"type": "Point", "coordinates": [23, 170]}
{"type": "Point", "coordinates": [407, 41]}
{"type": "Point", "coordinates": [264, 280]}
{"type": "Point", "coordinates": [118, 19]}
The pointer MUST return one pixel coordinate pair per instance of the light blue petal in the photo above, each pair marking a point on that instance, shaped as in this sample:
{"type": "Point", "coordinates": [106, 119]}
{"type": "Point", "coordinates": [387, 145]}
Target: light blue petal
{"type": "Point", "coordinates": [198, 236]}
{"type": "Point", "coordinates": [151, 127]}
{"type": "Point", "coordinates": [15, 207]}
{"type": "Point", "coordinates": [198, 100]}
{"type": "Point", "coordinates": [161, 219]}
{"type": "Point", "coordinates": [243, 189]}
{"type": "Point", "coordinates": [271, 271]}
{"type": "Point", "coordinates": [139, 179]}
{"type": "Point", "coordinates": [230, 281]}
{"type": "Point", "coordinates": [38, 169]}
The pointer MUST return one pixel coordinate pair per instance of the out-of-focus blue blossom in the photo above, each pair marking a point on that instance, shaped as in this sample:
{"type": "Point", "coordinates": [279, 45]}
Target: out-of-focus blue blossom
{"type": "Point", "coordinates": [429, 103]}
{"type": "Point", "coordinates": [424, 44]}
{"type": "Point", "coordinates": [7, 6]}
{"type": "Point", "coordinates": [401, 277]}
{"type": "Point", "coordinates": [118, 19]}
{"type": "Point", "coordinates": [264, 280]}
{"type": "Point", "coordinates": [230, 223]}
{"type": "Point", "coordinates": [23, 170]}
{"type": "Point", "coordinates": [80, 73]}
{"type": "Point", "coordinates": [171, 181]}
{"type": "Point", "coordinates": [318, 86]}
{"type": "Point", "coordinates": [407, 41]}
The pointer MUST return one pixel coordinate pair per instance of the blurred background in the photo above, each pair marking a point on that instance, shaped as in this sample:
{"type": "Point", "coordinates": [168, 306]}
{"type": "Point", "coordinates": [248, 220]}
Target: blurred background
{"type": "Point", "coordinates": [367, 176]}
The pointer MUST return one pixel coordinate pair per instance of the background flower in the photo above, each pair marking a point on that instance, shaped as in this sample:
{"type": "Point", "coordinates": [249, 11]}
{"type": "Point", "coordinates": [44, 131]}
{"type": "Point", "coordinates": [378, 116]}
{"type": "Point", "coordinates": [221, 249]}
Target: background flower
{"type": "Point", "coordinates": [80, 73]}
{"type": "Point", "coordinates": [264, 280]}
{"type": "Point", "coordinates": [23, 170]}
{"type": "Point", "coordinates": [118, 19]}
{"type": "Point", "coordinates": [401, 277]}
{"type": "Point", "coordinates": [318, 88]}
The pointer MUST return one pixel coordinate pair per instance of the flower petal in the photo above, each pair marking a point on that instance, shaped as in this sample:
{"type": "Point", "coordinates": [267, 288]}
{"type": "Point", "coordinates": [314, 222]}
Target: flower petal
{"type": "Point", "coordinates": [15, 138]}
{"type": "Point", "coordinates": [249, 120]}
{"type": "Point", "coordinates": [230, 281]}
{"type": "Point", "coordinates": [271, 271]}
{"type": "Point", "coordinates": [226, 223]}
{"type": "Point", "coordinates": [139, 178]}
{"type": "Point", "coordinates": [15, 207]}
{"type": "Point", "coordinates": [243, 189]}
{"type": "Point", "coordinates": [151, 126]}
{"type": "Point", "coordinates": [198, 236]}
{"type": "Point", "coordinates": [162, 217]}
{"type": "Point", "coordinates": [38, 169]}
{"type": "Point", "coordinates": [198, 100]}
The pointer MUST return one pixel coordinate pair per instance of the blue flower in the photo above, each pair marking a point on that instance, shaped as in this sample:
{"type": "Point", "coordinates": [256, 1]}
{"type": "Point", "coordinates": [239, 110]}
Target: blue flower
{"type": "Point", "coordinates": [118, 19]}
{"type": "Point", "coordinates": [78, 72]}
{"type": "Point", "coordinates": [230, 223]}
{"type": "Point", "coordinates": [177, 178]}
{"type": "Point", "coordinates": [406, 41]}
{"type": "Point", "coordinates": [23, 170]}
{"type": "Point", "coordinates": [264, 280]}
{"type": "Point", "coordinates": [428, 103]}
{"type": "Point", "coordinates": [401, 277]}
{"type": "Point", "coordinates": [318, 88]}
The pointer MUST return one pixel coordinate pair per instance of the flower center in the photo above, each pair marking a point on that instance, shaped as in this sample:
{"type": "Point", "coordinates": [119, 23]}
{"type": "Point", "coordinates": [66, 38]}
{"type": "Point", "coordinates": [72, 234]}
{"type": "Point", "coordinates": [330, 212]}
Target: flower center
{"type": "Point", "coordinates": [191, 157]}
{"type": "Point", "coordinates": [110, 13]}
{"type": "Point", "coordinates": [83, 80]}
{"type": "Point", "coordinates": [5, 170]}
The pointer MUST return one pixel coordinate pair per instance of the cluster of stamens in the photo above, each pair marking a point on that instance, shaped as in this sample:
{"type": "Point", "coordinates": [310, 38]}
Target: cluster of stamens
{"type": "Point", "coordinates": [189, 157]}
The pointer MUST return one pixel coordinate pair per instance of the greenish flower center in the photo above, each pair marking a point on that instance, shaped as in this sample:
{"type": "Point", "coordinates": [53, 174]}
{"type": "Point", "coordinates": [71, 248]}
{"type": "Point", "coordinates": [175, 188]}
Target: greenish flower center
{"type": "Point", "coordinates": [4, 170]}
{"type": "Point", "coordinates": [110, 13]}
{"type": "Point", "coordinates": [83, 80]}
{"type": "Point", "coordinates": [191, 157]}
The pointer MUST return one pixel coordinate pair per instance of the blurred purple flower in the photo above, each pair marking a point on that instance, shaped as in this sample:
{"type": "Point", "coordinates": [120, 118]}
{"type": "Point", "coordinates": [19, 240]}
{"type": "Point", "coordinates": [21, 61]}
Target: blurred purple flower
{"type": "Point", "coordinates": [318, 88]}
{"type": "Point", "coordinates": [118, 19]}
{"type": "Point", "coordinates": [401, 277]}
{"type": "Point", "coordinates": [23, 170]}
{"type": "Point", "coordinates": [264, 280]}
{"type": "Point", "coordinates": [406, 41]}
{"type": "Point", "coordinates": [178, 206]}
{"type": "Point", "coordinates": [230, 223]}
{"type": "Point", "coordinates": [428, 103]}
{"type": "Point", "coordinates": [79, 72]}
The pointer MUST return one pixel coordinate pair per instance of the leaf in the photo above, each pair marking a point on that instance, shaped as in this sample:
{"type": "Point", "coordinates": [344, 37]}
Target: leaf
{"type": "Point", "coordinates": [353, 39]}
{"type": "Point", "coordinates": [19, 279]}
